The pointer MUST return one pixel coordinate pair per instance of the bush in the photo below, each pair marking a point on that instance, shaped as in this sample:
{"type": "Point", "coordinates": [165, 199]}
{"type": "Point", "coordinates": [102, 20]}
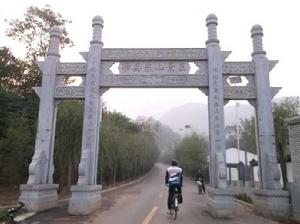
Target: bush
{"type": "Point", "coordinates": [244, 197]}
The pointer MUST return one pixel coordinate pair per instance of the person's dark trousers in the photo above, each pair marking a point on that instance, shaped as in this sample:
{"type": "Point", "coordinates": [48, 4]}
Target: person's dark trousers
{"type": "Point", "coordinates": [203, 186]}
{"type": "Point", "coordinates": [171, 193]}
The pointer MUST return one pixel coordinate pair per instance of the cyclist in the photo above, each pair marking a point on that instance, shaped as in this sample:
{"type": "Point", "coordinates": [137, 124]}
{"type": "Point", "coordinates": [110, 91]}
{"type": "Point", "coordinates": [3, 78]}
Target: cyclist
{"type": "Point", "coordinates": [200, 181]}
{"type": "Point", "coordinates": [173, 179]}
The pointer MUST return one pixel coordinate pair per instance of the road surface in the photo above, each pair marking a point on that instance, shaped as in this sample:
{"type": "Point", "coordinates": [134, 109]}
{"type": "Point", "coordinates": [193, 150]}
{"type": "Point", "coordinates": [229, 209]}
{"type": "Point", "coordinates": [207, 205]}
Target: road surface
{"type": "Point", "coordinates": [145, 203]}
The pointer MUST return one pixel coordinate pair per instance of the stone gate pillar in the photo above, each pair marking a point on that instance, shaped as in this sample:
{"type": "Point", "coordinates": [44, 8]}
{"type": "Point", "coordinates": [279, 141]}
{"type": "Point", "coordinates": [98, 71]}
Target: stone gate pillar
{"type": "Point", "coordinates": [270, 199]}
{"type": "Point", "coordinates": [220, 203]}
{"type": "Point", "coordinates": [86, 195]}
{"type": "Point", "coordinates": [40, 193]}
{"type": "Point", "coordinates": [294, 146]}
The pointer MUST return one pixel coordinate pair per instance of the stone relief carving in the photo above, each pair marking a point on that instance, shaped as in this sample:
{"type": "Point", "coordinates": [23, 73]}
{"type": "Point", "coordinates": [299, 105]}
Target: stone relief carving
{"type": "Point", "coordinates": [243, 67]}
{"type": "Point", "coordinates": [230, 93]}
{"type": "Point", "coordinates": [204, 90]}
{"type": "Point", "coordinates": [153, 81]}
{"type": "Point", "coordinates": [71, 69]}
{"type": "Point", "coordinates": [272, 64]}
{"type": "Point", "coordinates": [274, 171]}
{"type": "Point", "coordinates": [249, 79]}
{"type": "Point", "coordinates": [106, 67]}
{"type": "Point", "coordinates": [202, 67]}
{"type": "Point", "coordinates": [239, 67]}
{"type": "Point", "coordinates": [185, 54]}
{"type": "Point", "coordinates": [37, 168]}
{"type": "Point", "coordinates": [154, 54]}
{"type": "Point", "coordinates": [83, 170]}
{"type": "Point", "coordinates": [221, 170]}
{"type": "Point", "coordinates": [69, 92]}
{"type": "Point", "coordinates": [252, 102]}
{"type": "Point", "coordinates": [59, 80]}
{"type": "Point", "coordinates": [274, 91]}
{"type": "Point", "coordinates": [154, 68]}
{"type": "Point", "coordinates": [103, 90]}
{"type": "Point", "coordinates": [239, 92]}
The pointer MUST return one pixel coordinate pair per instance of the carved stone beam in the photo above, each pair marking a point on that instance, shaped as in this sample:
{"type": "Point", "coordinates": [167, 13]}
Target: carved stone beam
{"type": "Point", "coordinates": [153, 54]}
{"type": "Point", "coordinates": [69, 92]}
{"type": "Point", "coordinates": [244, 92]}
{"type": "Point", "coordinates": [243, 67]}
{"type": "Point", "coordinates": [70, 68]}
{"type": "Point", "coordinates": [152, 81]}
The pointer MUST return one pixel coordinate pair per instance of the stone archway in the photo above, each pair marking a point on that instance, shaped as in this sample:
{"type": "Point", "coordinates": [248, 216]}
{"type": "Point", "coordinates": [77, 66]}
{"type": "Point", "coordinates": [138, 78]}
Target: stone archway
{"type": "Point", "coordinates": [154, 68]}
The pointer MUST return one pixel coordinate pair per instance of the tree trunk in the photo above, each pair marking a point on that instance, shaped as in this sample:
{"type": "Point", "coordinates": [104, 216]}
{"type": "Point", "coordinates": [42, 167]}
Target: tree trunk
{"type": "Point", "coordinates": [69, 175]}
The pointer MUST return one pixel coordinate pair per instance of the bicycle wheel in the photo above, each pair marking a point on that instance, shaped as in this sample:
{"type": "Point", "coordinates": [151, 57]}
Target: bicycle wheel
{"type": "Point", "coordinates": [175, 208]}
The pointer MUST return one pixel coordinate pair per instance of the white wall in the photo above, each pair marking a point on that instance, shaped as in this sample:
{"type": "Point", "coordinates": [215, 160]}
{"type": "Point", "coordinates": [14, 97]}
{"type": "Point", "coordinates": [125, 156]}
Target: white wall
{"type": "Point", "coordinates": [232, 157]}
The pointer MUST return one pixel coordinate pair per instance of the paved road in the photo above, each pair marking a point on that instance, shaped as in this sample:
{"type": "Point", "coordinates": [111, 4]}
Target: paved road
{"type": "Point", "coordinates": [145, 203]}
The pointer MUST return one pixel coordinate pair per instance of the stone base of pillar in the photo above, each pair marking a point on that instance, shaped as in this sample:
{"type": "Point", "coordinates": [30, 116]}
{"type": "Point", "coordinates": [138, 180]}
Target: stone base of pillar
{"type": "Point", "coordinates": [249, 184]}
{"type": "Point", "coordinates": [241, 183]}
{"type": "Point", "coordinates": [39, 197]}
{"type": "Point", "coordinates": [85, 199]}
{"type": "Point", "coordinates": [220, 203]}
{"type": "Point", "coordinates": [272, 203]}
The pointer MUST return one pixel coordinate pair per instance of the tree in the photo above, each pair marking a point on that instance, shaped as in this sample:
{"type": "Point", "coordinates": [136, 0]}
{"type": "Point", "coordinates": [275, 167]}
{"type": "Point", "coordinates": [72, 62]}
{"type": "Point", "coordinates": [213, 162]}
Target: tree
{"type": "Point", "coordinates": [191, 154]}
{"type": "Point", "coordinates": [33, 30]}
{"type": "Point", "coordinates": [127, 151]}
{"type": "Point", "coordinates": [68, 143]}
{"type": "Point", "coordinates": [283, 110]}
{"type": "Point", "coordinates": [17, 128]}
{"type": "Point", "coordinates": [15, 151]}
{"type": "Point", "coordinates": [230, 136]}
{"type": "Point", "coordinates": [248, 135]}
{"type": "Point", "coordinates": [11, 72]}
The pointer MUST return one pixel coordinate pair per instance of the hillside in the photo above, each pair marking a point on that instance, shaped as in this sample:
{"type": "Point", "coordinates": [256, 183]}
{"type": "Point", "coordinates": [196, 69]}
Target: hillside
{"type": "Point", "coordinates": [196, 115]}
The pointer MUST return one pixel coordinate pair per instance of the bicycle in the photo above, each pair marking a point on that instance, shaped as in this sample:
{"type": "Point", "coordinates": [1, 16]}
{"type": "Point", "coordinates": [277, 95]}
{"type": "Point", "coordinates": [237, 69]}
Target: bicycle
{"type": "Point", "coordinates": [10, 214]}
{"type": "Point", "coordinates": [175, 205]}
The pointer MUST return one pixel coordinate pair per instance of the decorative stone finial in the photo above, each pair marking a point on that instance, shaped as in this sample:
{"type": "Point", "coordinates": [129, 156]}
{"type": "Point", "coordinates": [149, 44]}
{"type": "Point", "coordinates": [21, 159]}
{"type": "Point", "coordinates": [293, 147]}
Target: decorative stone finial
{"type": "Point", "coordinates": [97, 20]}
{"type": "Point", "coordinates": [97, 30]}
{"type": "Point", "coordinates": [256, 35]}
{"type": "Point", "coordinates": [55, 36]}
{"type": "Point", "coordinates": [211, 23]}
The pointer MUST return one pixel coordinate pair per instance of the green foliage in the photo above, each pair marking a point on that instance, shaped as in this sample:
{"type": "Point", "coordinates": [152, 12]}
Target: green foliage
{"type": "Point", "coordinates": [68, 143]}
{"type": "Point", "coordinates": [244, 197]}
{"type": "Point", "coordinates": [126, 151]}
{"type": "Point", "coordinates": [16, 151]}
{"type": "Point", "coordinates": [12, 70]}
{"type": "Point", "coordinates": [17, 128]}
{"type": "Point", "coordinates": [33, 30]}
{"type": "Point", "coordinates": [248, 135]}
{"type": "Point", "coordinates": [191, 154]}
{"type": "Point", "coordinates": [283, 110]}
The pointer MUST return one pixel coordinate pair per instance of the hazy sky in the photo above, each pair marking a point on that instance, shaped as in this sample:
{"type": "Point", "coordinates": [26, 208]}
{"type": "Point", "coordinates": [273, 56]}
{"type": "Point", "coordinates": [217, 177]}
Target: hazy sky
{"type": "Point", "coordinates": [175, 24]}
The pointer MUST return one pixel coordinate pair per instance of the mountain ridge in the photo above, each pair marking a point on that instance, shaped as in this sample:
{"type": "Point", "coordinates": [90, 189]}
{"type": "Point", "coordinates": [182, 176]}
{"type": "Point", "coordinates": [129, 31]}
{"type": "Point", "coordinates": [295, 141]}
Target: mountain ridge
{"type": "Point", "coordinates": [195, 115]}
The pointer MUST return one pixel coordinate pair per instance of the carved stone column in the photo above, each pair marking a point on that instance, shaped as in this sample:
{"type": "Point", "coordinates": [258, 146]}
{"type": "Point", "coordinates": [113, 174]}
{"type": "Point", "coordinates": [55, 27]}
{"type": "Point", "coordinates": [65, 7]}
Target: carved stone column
{"type": "Point", "coordinates": [294, 146]}
{"type": "Point", "coordinates": [270, 199]}
{"type": "Point", "coordinates": [86, 195]}
{"type": "Point", "coordinates": [40, 193]}
{"type": "Point", "coordinates": [220, 203]}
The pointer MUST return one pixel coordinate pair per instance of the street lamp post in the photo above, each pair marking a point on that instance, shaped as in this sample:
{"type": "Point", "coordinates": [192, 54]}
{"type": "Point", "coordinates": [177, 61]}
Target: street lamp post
{"type": "Point", "coordinates": [236, 80]}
